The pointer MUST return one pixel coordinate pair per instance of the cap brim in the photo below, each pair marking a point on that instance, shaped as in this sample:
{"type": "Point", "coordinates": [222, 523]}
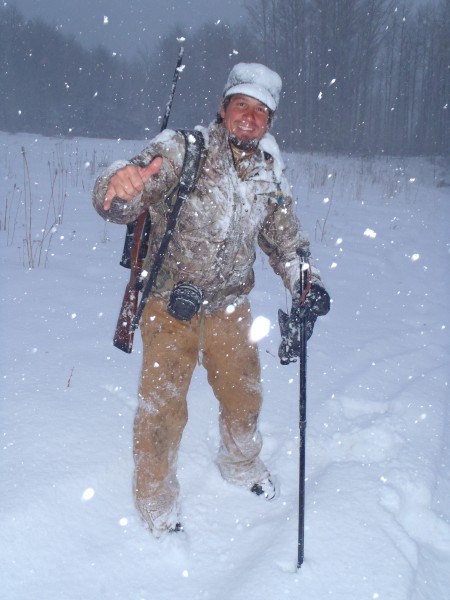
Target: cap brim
{"type": "Point", "coordinates": [254, 91]}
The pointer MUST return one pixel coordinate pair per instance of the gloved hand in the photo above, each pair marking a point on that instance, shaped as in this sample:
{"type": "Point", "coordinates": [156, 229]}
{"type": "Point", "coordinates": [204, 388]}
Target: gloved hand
{"type": "Point", "coordinates": [316, 304]}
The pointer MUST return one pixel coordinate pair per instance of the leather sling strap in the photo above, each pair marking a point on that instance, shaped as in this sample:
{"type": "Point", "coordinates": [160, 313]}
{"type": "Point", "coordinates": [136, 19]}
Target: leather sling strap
{"type": "Point", "coordinates": [194, 144]}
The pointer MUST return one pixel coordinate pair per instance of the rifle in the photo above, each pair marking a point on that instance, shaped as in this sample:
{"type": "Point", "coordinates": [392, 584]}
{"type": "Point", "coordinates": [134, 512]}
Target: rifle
{"type": "Point", "coordinates": [135, 250]}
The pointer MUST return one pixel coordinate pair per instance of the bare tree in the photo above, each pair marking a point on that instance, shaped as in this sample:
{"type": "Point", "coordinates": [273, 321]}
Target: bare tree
{"type": "Point", "coordinates": [359, 75]}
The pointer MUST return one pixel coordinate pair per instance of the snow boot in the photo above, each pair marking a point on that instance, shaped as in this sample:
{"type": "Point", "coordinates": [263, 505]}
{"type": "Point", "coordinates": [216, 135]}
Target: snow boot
{"type": "Point", "coordinates": [265, 488]}
{"type": "Point", "coordinates": [177, 528]}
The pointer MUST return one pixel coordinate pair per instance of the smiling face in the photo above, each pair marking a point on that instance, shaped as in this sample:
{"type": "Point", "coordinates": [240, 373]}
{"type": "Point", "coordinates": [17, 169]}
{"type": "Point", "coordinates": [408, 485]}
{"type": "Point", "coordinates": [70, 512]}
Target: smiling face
{"type": "Point", "coordinates": [246, 120]}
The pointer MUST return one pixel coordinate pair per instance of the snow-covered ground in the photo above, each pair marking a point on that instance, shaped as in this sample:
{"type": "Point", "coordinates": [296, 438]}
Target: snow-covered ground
{"type": "Point", "coordinates": [378, 434]}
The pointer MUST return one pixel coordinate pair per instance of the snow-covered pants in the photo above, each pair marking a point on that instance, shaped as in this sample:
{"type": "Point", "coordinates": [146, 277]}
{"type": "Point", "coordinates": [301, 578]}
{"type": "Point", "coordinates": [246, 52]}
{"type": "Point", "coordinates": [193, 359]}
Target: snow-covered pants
{"type": "Point", "coordinates": [170, 353]}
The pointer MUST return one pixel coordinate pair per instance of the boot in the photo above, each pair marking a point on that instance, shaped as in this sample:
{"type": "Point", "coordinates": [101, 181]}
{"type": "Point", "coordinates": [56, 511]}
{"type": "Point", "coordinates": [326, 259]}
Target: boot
{"type": "Point", "coordinates": [265, 488]}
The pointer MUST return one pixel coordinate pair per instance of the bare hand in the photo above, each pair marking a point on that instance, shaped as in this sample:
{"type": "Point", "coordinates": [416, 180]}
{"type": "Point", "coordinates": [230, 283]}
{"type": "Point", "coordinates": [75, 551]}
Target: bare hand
{"type": "Point", "coordinates": [128, 182]}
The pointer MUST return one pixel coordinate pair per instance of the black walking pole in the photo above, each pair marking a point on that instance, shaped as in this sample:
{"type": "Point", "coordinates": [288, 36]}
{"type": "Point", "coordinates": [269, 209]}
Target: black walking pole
{"type": "Point", "coordinates": [310, 300]}
{"type": "Point", "coordinates": [304, 277]}
{"type": "Point", "coordinates": [293, 345]}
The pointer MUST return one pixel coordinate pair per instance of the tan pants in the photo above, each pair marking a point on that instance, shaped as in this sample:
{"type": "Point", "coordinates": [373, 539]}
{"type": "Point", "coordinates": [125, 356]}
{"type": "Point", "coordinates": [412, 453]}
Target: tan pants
{"type": "Point", "coordinates": [171, 350]}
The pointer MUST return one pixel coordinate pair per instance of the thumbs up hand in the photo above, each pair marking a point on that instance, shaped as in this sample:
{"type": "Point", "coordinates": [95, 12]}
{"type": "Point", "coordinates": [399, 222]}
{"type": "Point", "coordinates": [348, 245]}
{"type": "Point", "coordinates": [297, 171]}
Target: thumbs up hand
{"type": "Point", "coordinates": [129, 181]}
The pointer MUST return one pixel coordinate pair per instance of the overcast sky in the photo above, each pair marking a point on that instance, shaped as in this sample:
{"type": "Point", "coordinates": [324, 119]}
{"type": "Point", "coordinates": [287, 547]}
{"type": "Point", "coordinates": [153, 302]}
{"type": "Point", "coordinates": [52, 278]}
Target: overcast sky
{"type": "Point", "coordinates": [123, 26]}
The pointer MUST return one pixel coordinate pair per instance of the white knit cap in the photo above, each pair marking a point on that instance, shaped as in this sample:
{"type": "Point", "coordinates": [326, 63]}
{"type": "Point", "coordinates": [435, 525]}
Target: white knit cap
{"type": "Point", "coordinates": [256, 81]}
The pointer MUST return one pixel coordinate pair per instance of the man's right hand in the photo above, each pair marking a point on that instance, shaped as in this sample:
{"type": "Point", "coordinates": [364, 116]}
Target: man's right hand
{"type": "Point", "coordinates": [129, 181]}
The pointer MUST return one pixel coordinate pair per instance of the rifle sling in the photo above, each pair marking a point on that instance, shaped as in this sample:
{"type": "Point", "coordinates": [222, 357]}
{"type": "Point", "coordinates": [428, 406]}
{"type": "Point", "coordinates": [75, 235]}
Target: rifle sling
{"type": "Point", "coordinates": [194, 143]}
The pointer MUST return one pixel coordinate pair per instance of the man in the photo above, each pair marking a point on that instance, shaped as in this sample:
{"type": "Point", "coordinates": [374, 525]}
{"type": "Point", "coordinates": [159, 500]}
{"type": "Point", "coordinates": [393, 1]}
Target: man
{"type": "Point", "coordinates": [240, 198]}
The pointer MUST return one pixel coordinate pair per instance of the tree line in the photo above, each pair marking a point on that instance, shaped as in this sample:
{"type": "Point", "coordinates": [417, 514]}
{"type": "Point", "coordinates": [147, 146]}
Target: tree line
{"type": "Point", "coordinates": [359, 76]}
{"type": "Point", "coordinates": [362, 75]}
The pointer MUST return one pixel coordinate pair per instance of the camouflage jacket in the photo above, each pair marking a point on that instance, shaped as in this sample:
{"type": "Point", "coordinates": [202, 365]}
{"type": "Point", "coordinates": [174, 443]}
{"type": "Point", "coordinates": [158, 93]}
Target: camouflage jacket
{"type": "Point", "coordinates": [235, 205]}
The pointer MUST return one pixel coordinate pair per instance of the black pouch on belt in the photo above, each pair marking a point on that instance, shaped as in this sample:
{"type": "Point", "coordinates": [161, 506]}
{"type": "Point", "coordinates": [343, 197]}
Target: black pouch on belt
{"type": "Point", "coordinates": [185, 301]}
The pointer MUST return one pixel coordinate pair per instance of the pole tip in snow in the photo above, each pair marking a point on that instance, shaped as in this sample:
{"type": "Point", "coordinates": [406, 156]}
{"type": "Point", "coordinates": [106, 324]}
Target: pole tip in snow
{"type": "Point", "coordinates": [287, 566]}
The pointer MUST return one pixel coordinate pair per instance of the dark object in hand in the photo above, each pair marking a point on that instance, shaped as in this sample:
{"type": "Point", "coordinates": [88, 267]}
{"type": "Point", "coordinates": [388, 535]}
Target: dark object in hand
{"type": "Point", "coordinates": [316, 304]}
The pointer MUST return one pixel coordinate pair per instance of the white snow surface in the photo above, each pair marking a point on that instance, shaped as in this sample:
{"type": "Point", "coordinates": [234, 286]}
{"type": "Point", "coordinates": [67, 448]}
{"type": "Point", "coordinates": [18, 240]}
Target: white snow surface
{"type": "Point", "coordinates": [377, 502]}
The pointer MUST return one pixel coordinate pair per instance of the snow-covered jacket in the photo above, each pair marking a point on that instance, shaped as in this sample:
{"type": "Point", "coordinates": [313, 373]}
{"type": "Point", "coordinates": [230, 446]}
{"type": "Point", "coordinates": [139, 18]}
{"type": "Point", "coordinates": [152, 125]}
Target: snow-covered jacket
{"type": "Point", "coordinates": [231, 209]}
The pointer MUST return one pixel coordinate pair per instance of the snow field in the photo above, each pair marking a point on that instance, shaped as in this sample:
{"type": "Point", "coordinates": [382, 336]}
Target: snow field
{"type": "Point", "coordinates": [377, 508]}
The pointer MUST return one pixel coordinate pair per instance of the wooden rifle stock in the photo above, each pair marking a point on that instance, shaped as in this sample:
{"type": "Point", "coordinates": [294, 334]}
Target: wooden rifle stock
{"type": "Point", "coordinates": [124, 333]}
